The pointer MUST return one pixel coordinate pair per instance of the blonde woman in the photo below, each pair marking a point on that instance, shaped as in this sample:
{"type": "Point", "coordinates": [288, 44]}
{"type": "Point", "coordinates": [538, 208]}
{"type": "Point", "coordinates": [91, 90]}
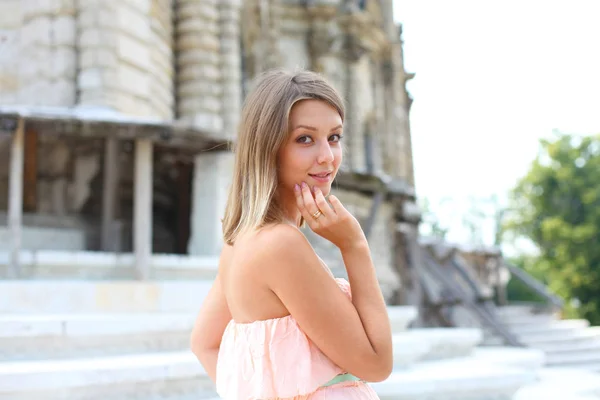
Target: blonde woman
{"type": "Point", "coordinates": [276, 323]}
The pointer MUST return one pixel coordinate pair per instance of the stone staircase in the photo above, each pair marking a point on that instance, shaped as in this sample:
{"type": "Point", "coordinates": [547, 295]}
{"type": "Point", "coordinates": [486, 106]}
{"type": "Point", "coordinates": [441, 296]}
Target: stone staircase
{"type": "Point", "coordinates": [568, 343]}
{"type": "Point", "coordinates": [130, 340]}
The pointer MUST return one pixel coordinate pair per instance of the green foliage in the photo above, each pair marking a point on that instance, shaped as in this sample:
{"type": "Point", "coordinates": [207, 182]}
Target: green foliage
{"type": "Point", "coordinates": [557, 206]}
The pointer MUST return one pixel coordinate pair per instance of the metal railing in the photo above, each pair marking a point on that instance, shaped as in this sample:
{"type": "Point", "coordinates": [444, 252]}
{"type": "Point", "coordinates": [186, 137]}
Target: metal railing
{"type": "Point", "coordinates": [478, 304]}
{"type": "Point", "coordinates": [536, 286]}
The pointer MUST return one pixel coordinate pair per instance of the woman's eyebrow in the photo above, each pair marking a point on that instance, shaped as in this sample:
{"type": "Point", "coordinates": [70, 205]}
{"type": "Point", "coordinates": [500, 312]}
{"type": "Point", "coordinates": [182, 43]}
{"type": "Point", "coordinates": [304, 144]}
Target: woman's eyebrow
{"type": "Point", "coordinates": [312, 128]}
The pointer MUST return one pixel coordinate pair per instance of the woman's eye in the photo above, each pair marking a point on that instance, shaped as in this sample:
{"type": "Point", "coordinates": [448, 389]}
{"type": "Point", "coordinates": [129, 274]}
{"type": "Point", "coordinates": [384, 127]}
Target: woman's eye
{"type": "Point", "coordinates": [304, 140]}
{"type": "Point", "coordinates": [335, 137]}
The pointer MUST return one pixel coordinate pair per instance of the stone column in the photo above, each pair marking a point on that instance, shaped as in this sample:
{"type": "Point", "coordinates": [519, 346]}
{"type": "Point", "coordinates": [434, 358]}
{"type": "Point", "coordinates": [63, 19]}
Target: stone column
{"type": "Point", "coordinates": [387, 8]}
{"type": "Point", "coordinates": [401, 141]}
{"type": "Point", "coordinates": [162, 99]}
{"type": "Point", "coordinates": [110, 195]}
{"type": "Point", "coordinates": [15, 197]}
{"type": "Point", "coordinates": [117, 42]}
{"type": "Point", "coordinates": [354, 158]}
{"type": "Point", "coordinates": [47, 56]}
{"type": "Point", "coordinates": [142, 220]}
{"type": "Point", "coordinates": [231, 66]}
{"type": "Point", "coordinates": [270, 20]}
{"type": "Point", "coordinates": [212, 177]}
{"type": "Point", "coordinates": [199, 79]}
{"type": "Point", "coordinates": [389, 148]}
{"type": "Point", "coordinates": [407, 235]}
{"type": "Point", "coordinates": [10, 50]}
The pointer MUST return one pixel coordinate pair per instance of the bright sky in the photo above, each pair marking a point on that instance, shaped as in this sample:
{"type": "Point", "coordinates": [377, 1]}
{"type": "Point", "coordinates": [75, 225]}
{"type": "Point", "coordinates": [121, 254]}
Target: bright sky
{"type": "Point", "coordinates": [492, 77]}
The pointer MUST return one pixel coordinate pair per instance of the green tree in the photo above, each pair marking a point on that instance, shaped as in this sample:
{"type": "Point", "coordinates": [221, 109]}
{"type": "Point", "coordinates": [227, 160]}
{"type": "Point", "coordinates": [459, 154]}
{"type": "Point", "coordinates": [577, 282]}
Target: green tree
{"type": "Point", "coordinates": [557, 206]}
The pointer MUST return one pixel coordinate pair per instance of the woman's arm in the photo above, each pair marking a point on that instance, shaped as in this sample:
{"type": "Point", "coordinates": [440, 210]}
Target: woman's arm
{"type": "Point", "coordinates": [355, 335]}
{"type": "Point", "coordinates": [368, 299]}
{"type": "Point", "coordinates": [210, 324]}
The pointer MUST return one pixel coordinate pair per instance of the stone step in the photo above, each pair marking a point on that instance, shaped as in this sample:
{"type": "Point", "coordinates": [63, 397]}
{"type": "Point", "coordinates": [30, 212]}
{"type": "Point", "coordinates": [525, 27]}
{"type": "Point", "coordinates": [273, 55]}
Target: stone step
{"type": "Point", "coordinates": [462, 378]}
{"type": "Point", "coordinates": [58, 264]}
{"type": "Point", "coordinates": [173, 375]}
{"type": "Point", "coordinates": [553, 327]}
{"type": "Point", "coordinates": [582, 346]}
{"type": "Point", "coordinates": [408, 349]}
{"type": "Point", "coordinates": [529, 320]}
{"type": "Point", "coordinates": [516, 310]}
{"type": "Point", "coordinates": [580, 359]}
{"type": "Point", "coordinates": [178, 375]}
{"type": "Point", "coordinates": [561, 337]}
{"type": "Point", "coordinates": [562, 384]}
{"type": "Point", "coordinates": [35, 337]}
{"type": "Point", "coordinates": [585, 344]}
{"type": "Point", "coordinates": [511, 356]}
{"type": "Point", "coordinates": [116, 297]}
{"type": "Point", "coordinates": [447, 342]}
{"type": "Point", "coordinates": [61, 336]}
{"type": "Point", "coordinates": [401, 317]}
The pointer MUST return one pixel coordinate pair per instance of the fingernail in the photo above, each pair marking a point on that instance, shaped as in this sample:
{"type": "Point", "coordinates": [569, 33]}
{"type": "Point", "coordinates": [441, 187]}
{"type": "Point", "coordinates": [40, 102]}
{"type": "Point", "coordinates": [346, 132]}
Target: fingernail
{"type": "Point", "coordinates": [296, 187]}
{"type": "Point", "coordinates": [303, 184]}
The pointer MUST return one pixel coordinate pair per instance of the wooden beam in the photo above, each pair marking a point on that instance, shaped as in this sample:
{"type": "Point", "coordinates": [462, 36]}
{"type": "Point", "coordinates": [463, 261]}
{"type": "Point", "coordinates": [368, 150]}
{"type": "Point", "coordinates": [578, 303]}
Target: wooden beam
{"type": "Point", "coordinates": [142, 230]}
{"type": "Point", "coordinates": [110, 194]}
{"type": "Point", "coordinates": [184, 206]}
{"type": "Point", "coordinates": [30, 173]}
{"type": "Point", "coordinates": [15, 198]}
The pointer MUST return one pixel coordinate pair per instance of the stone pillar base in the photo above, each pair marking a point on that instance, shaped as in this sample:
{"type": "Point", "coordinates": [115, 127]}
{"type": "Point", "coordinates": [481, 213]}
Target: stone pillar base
{"type": "Point", "coordinates": [212, 177]}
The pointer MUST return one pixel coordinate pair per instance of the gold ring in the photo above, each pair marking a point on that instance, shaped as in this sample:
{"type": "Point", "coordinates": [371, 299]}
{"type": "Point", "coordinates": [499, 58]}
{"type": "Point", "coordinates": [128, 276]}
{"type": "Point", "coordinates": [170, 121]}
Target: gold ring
{"type": "Point", "coordinates": [317, 214]}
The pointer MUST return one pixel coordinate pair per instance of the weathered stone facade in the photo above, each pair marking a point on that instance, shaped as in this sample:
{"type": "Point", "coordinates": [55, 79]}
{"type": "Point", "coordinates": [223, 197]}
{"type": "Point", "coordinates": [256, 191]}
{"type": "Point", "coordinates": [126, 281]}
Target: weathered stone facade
{"type": "Point", "coordinates": [192, 61]}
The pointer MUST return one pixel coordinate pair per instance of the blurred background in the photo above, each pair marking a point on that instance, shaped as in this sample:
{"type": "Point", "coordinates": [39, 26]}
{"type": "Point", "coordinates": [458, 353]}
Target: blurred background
{"type": "Point", "coordinates": [472, 163]}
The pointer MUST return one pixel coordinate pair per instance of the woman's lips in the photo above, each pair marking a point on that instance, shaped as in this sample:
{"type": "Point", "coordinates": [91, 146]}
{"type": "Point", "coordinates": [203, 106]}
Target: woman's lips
{"type": "Point", "coordinates": [322, 178]}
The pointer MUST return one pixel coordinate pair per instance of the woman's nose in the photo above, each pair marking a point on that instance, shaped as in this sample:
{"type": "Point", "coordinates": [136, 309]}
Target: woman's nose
{"type": "Point", "coordinates": [325, 154]}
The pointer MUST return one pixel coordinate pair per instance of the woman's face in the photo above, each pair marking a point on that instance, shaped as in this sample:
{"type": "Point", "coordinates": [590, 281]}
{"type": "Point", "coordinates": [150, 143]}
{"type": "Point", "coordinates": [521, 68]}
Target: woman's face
{"type": "Point", "coordinates": [313, 151]}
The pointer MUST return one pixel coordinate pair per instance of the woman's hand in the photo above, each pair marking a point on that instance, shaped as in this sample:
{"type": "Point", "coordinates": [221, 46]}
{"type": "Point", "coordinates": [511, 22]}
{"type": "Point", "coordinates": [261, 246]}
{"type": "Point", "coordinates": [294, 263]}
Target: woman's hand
{"type": "Point", "coordinates": [333, 223]}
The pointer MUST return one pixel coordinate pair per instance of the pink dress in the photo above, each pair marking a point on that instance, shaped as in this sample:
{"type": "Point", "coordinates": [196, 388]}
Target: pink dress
{"type": "Point", "coordinates": [274, 359]}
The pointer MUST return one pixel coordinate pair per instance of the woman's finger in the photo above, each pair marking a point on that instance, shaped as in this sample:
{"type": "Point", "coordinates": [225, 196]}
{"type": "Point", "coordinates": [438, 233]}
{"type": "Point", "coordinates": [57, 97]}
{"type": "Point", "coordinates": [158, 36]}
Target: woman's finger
{"type": "Point", "coordinates": [336, 204]}
{"type": "Point", "coordinates": [322, 203]}
{"type": "Point", "coordinates": [300, 203]}
{"type": "Point", "coordinates": [309, 201]}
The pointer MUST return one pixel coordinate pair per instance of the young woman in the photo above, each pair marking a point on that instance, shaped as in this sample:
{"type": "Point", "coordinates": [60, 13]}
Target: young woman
{"type": "Point", "coordinates": [276, 323]}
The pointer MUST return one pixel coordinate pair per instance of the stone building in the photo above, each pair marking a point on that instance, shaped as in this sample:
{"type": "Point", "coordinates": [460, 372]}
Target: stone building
{"type": "Point", "coordinates": [115, 118]}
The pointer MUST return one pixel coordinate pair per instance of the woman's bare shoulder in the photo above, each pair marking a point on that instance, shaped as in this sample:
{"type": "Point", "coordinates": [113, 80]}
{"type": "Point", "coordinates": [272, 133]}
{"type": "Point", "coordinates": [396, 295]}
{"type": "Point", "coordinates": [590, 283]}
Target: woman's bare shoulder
{"type": "Point", "coordinates": [271, 242]}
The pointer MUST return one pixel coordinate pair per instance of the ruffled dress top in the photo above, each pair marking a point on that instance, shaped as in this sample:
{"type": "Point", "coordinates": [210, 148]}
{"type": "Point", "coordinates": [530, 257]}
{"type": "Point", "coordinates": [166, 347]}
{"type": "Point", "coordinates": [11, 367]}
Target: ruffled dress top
{"type": "Point", "coordinates": [273, 359]}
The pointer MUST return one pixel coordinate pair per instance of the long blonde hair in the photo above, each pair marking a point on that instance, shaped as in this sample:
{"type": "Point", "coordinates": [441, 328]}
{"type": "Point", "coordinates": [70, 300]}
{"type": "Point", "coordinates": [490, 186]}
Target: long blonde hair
{"type": "Point", "coordinates": [263, 131]}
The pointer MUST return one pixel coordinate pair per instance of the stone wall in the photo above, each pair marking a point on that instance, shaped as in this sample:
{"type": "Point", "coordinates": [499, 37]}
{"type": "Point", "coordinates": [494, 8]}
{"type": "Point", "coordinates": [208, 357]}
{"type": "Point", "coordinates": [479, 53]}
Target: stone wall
{"type": "Point", "coordinates": [192, 60]}
{"type": "Point", "coordinates": [10, 36]}
{"type": "Point", "coordinates": [38, 61]}
{"type": "Point", "coordinates": [126, 55]}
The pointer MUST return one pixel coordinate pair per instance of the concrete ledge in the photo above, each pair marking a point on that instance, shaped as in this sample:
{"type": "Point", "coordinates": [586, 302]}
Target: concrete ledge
{"type": "Point", "coordinates": [33, 337]}
{"type": "Point", "coordinates": [119, 297]}
{"type": "Point", "coordinates": [559, 336]}
{"type": "Point", "coordinates": [401, 317]}
{"type": "Point", "coordinates": [551, 327]}
{"type": "Point", "coordinates": [448, 342]}
{"type": "Point", "coordinates": [91, 324]}
{"type": "Point", "coordinates": [51, 264]}
{"type": "Point", "coordinates": [515, 311]}
{"type": "Point", "coordinates": [454, 380]}
{"type": "Point", "coordinates": [106, 377]}
{"type": "Point", "coordinates": [511, 356]}
{"type": "Point", "coordinates": [563, 384]}
{"type": "Point", "coordinates": [408, 349]}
